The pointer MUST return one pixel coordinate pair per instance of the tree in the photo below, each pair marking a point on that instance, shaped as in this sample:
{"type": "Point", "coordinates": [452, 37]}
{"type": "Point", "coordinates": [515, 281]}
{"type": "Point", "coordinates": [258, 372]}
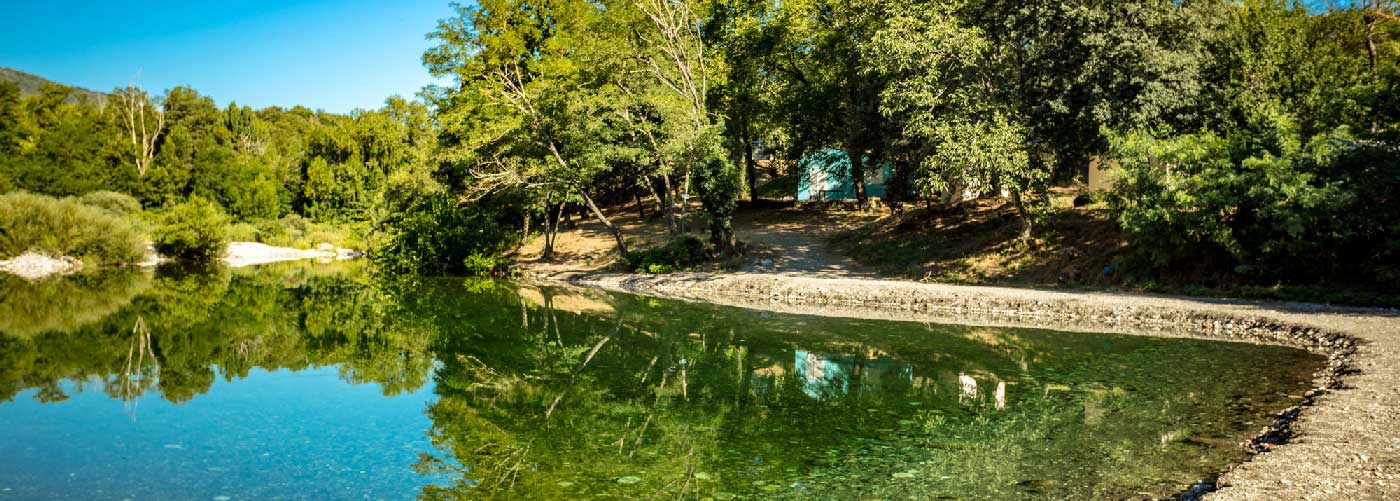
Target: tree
{"type": "Point", "coordinates": [741, 32]}
{"type": "Point", "coordinates": [511, 122]}
{"type": "Point", "coordinates": [144, 122]}
{"type": "Point", "coordinates": [674, 54]}
{"type": "Point", "coordinates": [830, 97]}
{"type": "Point", "coordinates": [961, 133]}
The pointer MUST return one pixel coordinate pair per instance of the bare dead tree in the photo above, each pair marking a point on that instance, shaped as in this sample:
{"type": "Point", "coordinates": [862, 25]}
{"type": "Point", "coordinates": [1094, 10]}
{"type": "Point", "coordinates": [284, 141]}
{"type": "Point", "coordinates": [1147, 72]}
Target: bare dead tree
{"type": "Point", "coordinates": [135, 107]}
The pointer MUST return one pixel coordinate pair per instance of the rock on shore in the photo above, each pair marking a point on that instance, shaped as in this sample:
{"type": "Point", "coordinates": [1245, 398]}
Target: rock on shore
{"type": "Point", "coordinates": [241, 254]}
{"type": "Point", "coordinates": [33, 266]}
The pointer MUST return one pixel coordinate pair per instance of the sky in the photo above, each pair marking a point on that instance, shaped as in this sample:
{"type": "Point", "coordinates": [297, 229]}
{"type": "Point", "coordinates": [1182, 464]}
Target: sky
{"type": "Point", "coordinates": [334, 55]}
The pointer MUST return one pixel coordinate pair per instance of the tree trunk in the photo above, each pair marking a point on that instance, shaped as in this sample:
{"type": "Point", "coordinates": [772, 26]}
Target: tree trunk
{"type": "Point", "coordinates": [1371, 19]}
{"type": "Point", "coordinates": [551, 230]}
{"type": "Point", "coordinates": [722, 235]}
{"type": "Point", "coordinates": [592, 207]}
{"type": "Point", "coordinates": [670, 205]}
{"type": "Point", "coordinates": [662, 205]}
{"type": "Point", "coordinates": [616, 233]}
{"type": "Point", "coordinates": [641, 209]}
{"type": "Point", "coordinates": [855, 124]}
{"type": "Point", "coordinates": [1027, 224]}
{"type": "Point", "coordinates": [525, 230]}
{"type": "Point", "coordinates": [857, 174]}
{"type": "Point", "coordinates": [750, 169]}
{"type": "Point", "coordinates": [684, 190]}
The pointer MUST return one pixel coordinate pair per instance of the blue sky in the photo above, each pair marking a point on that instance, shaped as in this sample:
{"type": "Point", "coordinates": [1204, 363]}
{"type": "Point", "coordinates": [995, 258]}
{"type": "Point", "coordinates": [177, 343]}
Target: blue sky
{"type": "Point", "coordinates": [335, 55]}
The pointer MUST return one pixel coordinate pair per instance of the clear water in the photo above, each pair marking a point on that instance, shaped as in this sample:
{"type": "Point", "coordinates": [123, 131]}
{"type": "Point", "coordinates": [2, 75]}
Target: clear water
{"type": "Point", "coordinates": [318, 381]}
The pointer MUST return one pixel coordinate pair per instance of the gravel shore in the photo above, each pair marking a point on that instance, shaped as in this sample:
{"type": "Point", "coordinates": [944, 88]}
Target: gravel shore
{"type": "Point", "coordinates": [1342, 442]}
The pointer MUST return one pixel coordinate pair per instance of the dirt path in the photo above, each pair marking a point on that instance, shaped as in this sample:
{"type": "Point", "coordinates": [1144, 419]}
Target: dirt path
{"type": "Point", "coordinates": [1345, 442]}
{"type": "Point", "coordinates": [792, 242]}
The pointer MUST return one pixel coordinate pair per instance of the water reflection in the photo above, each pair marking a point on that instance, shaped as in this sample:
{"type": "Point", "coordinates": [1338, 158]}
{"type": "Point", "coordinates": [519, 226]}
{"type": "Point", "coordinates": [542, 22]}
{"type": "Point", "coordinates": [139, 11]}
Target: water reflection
{"type": "Point", "coordinates": [826, 376]}
{"type": "Point", "coordinates": [553, 393]}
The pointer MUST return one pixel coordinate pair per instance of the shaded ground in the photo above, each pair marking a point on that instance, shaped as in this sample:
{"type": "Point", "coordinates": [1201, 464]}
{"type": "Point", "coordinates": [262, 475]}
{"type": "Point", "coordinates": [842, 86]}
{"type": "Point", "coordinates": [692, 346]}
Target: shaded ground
{"type": "Point", "coordinates": [779, 239]}
{"type": "Point", "coordinates": [793, 241]}
{"type": "Point", "coordinates": [977, 243]}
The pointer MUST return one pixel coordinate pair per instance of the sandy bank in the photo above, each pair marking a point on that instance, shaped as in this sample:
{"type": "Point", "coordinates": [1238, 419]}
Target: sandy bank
{"type": "Point", "coordinates": [1342, 443]}
{"type": "Point", "coordinates": [241, 254]}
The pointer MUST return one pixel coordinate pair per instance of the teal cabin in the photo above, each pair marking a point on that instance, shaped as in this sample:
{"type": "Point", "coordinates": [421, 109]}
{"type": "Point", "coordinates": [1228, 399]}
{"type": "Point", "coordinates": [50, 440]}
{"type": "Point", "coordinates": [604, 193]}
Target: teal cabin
{"type": "Point", "coordinates": [825, 174]}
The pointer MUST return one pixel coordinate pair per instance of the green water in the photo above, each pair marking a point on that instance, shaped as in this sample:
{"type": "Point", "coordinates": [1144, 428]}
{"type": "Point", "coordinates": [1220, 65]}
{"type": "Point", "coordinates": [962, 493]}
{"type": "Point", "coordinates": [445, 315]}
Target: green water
{"type": "Point", "coordinates": [319, 381]}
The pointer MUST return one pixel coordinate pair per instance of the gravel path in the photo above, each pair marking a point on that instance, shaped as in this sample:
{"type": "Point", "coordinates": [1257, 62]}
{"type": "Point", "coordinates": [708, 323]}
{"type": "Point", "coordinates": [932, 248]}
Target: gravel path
{"type": "Point", "coordinates": [1344, 445]}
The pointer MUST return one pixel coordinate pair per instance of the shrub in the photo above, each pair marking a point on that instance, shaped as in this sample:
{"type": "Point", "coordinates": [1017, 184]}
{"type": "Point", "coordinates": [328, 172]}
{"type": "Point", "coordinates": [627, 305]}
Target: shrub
{"type": "Point", "coordinates": [483, 265]}
{"type": "Point", "coordinates": [194, 230]}
{"type": "Point", "coordinates": [66, 227]}
{"type": "Point", "coordinates": [1324, 210]}
{"type": "Point", "coordinates": [242, 232]}
{"type": "Point", "coordinates": [677, 255]}
{"type": "Point", "coordinates": [296, 231]}
{"type": "Point", "coordinates": [117, 203]}
{"type": "Point", "coordinates": [434, 234]}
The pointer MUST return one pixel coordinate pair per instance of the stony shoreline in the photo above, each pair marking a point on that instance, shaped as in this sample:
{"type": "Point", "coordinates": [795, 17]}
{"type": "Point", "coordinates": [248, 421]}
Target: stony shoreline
{"type": "Point", "coordinates": [1341, 440]}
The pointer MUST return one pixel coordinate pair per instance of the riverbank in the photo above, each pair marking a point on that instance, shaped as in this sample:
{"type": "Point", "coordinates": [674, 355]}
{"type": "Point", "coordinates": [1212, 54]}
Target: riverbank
{"type": "Point", "coordinates": [1345, 444]}
{"type": "Point", "coordinates": [241, 254]}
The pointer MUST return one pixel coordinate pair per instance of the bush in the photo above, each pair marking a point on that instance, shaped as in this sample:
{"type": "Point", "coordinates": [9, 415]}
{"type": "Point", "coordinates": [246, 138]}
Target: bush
{"type": "Point", "coordinates": [1322, 211]}
{"type": "Point", "coordinates": [66, 227]}
{"type": "Point", "coordinates": [296, 231]}
{"type": "Point", "coordinates": [678, 255]}
{"type": "Point", "coordinates": [434, 235]}
{"type": "Point", "coordinates": [484, 265]}
{"type": "Point", "coordinates": [116, 203]}
{"type": "Point", "coordinates": [195, 230]}
{"type": "Point", "coordinates": [242, 232]}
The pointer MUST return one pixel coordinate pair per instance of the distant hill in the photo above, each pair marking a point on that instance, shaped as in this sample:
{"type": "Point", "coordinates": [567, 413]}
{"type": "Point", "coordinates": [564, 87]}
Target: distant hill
{"type": "Point", "coordinates": [29, 85]}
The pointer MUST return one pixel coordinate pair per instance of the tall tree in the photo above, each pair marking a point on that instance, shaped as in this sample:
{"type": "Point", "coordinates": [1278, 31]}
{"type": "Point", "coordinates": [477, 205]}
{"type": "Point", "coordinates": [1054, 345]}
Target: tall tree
{"type": "Point", "coordinates": [680, 62]}
{"type": "Point", "coordinates": [512, 121]}
{"type": "Point", "coordinates": [144, 122]}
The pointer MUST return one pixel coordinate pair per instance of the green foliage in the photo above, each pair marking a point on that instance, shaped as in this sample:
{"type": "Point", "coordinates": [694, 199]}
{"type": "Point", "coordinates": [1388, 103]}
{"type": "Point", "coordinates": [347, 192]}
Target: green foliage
{"type": "Point", "coordinates": [436, 235]}
{"type": "Point", "coordinates": [194, 230]}
{"type": "Point", "coordinates": [242, 232]}
{"type": "Point", "coordinates": [1305, 213]}
{"type": "Point", "coordinates": [66, 227]}
{"type": "Point", "coordinates": [257, 164]}
{"type": "Point", "coordinates": [483, 265]}
{"type": "Point", "coordinates": [116, 203]}
{"type": "Point", "coordinates": [677, 255]}
{"type": "Point", "coordinates": [718, 182]}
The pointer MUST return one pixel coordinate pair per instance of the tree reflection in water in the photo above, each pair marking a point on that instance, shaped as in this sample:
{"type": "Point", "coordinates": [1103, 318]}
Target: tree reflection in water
{"type": "Point", "coordinates": [561, 393]}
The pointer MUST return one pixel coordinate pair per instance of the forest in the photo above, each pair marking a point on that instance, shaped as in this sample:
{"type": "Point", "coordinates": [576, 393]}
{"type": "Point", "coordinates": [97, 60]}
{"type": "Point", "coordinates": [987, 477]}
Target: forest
{"type": "Point", "coordinates": [1259, 137]}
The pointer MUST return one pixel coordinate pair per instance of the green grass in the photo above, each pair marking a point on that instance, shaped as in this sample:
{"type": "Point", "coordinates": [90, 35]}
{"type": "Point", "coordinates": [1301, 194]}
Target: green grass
{"type": "Point", "coordinates": [67, 227]}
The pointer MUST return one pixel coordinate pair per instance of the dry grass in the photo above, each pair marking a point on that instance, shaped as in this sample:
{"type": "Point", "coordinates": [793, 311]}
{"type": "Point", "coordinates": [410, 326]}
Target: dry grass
{"type": "Point", "coordinates": [977, 243]}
